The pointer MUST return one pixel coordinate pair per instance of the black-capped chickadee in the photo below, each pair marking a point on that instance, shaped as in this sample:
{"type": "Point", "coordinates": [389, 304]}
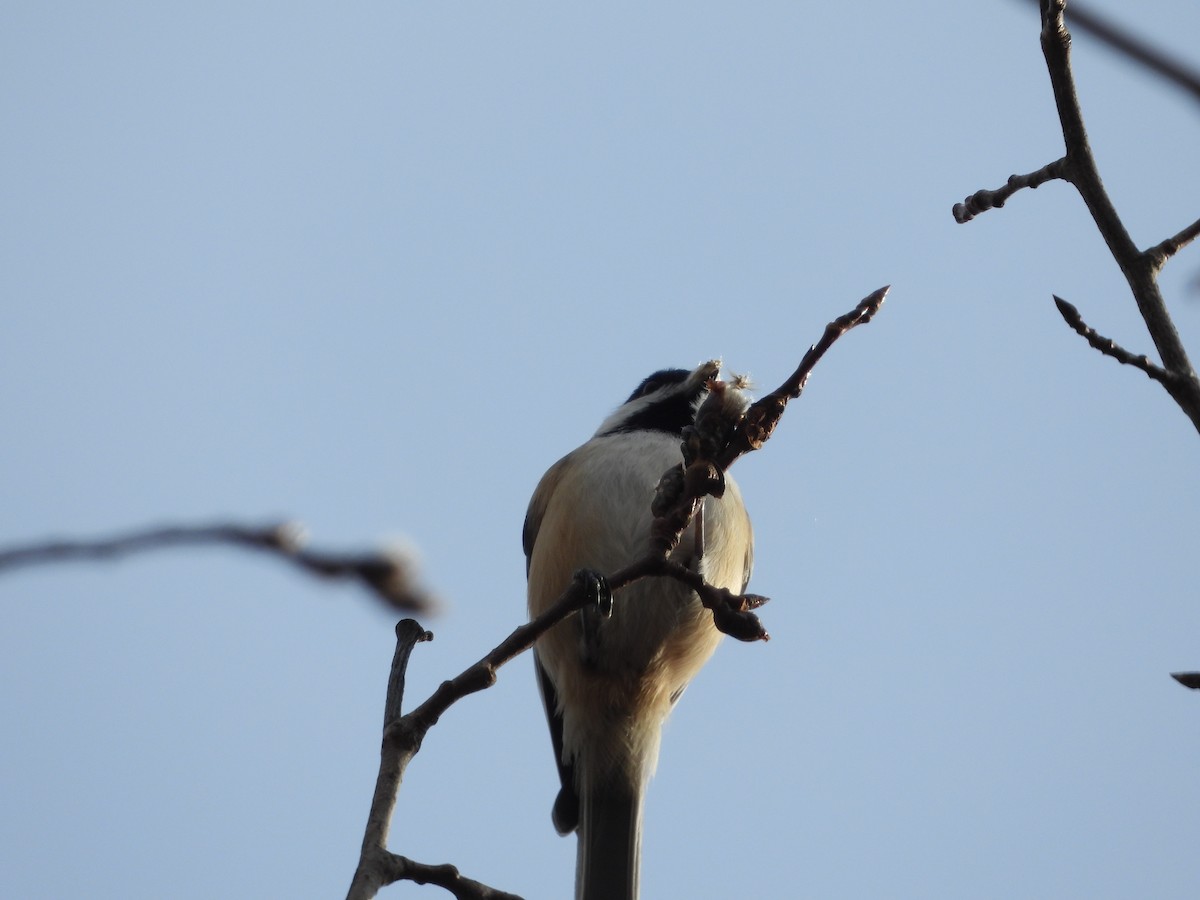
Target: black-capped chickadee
{"type": "Point", "coordinates": [608, 683]}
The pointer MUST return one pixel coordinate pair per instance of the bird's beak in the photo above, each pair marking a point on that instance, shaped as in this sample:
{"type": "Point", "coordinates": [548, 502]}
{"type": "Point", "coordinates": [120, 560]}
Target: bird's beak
{"type": "Point", "coordinates": [697, 382]}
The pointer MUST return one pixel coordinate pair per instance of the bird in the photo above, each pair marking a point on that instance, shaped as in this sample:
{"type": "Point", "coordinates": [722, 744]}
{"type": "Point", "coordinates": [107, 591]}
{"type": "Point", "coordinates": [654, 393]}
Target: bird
{"type": "Point", "coordinates": [608, 682]}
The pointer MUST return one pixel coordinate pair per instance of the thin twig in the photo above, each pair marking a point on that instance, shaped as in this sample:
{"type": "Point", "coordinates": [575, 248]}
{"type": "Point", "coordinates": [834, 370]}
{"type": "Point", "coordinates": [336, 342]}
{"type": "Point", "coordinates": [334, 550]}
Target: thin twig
{"type": "Point", "coordinates": [482, 674]}
{"type": "Point", "coordinates": [732, 613]}
{"type": "Point", "coordinates": [403, 736]}
{"type": "Point", "coordinates": [389, 576]}
{"type": "Point", "coordinates": [712, 454]}
{"type": "Point", "coordinates": [377, 866]}
{"type": "Point", "coordinates": [1108, 346]}
{"type": "Point", "coordinates": [1137, 267]}
{"type": "Point", "coordinates": [983, 200]}
{"type": "Point", "coordinates": [448, 877]}
{"type": "Point", "coordinates": [1140, 268]}
{"type": "Point", "coordinates": [764, 415]}
{"type": "Point", "coordinates": [1160, 253]}
{"type": "Point", "coordinates": [374, 868]}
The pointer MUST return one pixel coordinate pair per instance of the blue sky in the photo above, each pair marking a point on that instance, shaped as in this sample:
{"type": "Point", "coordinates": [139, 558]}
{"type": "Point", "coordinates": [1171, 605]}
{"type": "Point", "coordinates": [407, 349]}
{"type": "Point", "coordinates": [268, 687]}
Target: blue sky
{"type": "Point", "coordinates": [376, 267]}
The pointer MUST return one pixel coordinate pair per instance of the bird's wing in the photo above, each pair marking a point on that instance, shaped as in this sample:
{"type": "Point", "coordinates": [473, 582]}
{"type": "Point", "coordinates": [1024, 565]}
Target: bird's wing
{"type": "Point", "coordinates": [537, 507]}
{"type": "Point", "coordinates": [566, 806]}
{"type": "Point", "coordinates": [749, 559]}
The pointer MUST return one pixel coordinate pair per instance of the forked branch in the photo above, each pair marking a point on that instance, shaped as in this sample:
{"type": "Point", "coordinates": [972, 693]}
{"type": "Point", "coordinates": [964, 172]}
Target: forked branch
{"type": "Point", "coordinates": [377, 867]}
{"type": "Point", "coordinates": [1078, 166]}
{"type": "Point", "coordinates": [721, 435]}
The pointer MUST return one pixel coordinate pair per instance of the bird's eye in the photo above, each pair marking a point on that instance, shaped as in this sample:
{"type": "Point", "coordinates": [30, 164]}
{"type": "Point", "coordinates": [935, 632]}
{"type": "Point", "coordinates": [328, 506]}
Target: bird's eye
{"type": "Point", "coordinates": [649, 386]}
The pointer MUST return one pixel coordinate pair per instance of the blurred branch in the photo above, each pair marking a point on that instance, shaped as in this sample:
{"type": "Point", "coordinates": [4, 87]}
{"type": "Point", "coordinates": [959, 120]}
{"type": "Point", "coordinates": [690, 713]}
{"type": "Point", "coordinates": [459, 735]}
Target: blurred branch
{"type": "Point", "coordinates": [389, 576]}
{"type": "Point", "coordinates": [1118, 38]}
{"type": "Point", "coordinates": [721, 435]}
{"type": "Point", "coordinates": [1140, 268]}
{"type": "Point", "coordinates": [1188, 679]}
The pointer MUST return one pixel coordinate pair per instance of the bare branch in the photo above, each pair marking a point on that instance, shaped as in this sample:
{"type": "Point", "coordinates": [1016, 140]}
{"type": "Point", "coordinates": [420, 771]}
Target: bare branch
{"type": "Point", "coordinates": [1138, 267]}
{"type": "Point", "coordinates": [409, 633]}
{"type": "Point", "coordinates": [376, 866]}
{"type": "Point", "coordinates": [1160, 253]}
{"type": "Point", "coordinates": [390, 576]}
{"type": "Point", "coordinates": [1108, 346]}
{"type": "Point", "coordinates": [403, 736]}
{"type": "Point", "coordinates": [448, 877]}
{"type": "Point", "coordinates": [764, 415]}
{"type": "Point", "coordinates": [732, 613]}
{"type": "Point", "coordinates": [982, 201]}
{"type": "Point", "coordinates": [1118, 38]}
{"type": "Point", "coordinates": [1056, 48]}
{"type": "Point", "coordinates": [1078, 166]}
{"type": "Point", "coordinates": [723, 436]}
{"type": "Point", "coordinates": [482, 675]}
{"type": "Point", "coordinates": [713, 446]}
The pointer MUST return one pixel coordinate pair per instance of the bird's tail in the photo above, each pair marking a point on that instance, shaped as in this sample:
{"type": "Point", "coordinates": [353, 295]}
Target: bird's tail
{"type": "Point", "coordinates": [608, 863]}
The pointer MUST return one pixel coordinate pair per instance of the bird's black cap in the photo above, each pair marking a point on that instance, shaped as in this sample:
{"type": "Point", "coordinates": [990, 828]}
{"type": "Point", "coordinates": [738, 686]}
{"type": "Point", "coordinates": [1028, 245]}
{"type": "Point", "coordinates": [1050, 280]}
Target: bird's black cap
{"type": "Point", "coordinates": [671, 412]}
